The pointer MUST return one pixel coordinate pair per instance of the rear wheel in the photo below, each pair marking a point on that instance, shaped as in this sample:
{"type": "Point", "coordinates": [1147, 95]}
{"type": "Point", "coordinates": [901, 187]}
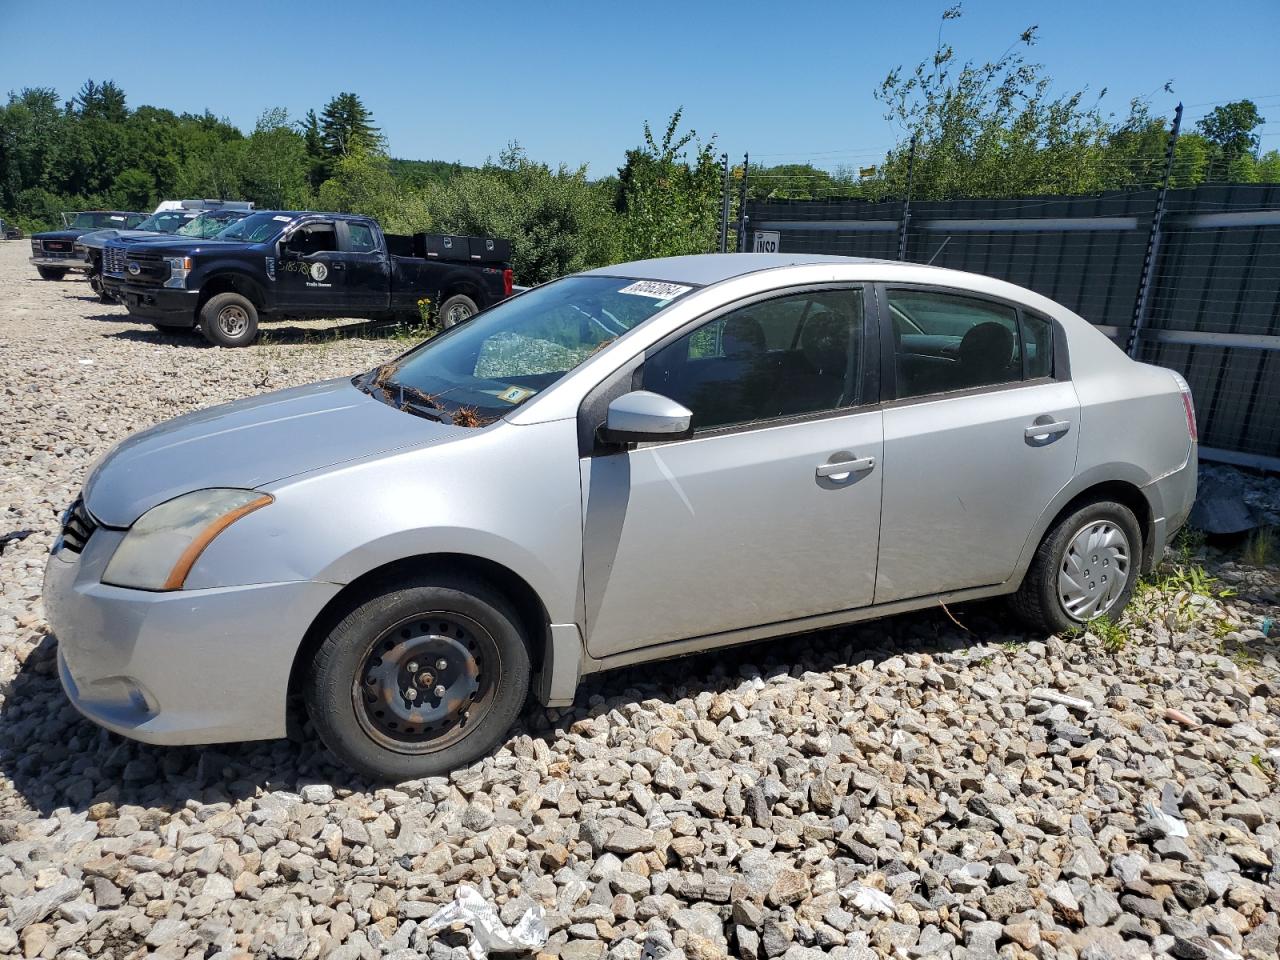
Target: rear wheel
{"type": "Point", "coordinates": [229, 320]}
{"type": "Point", "coordinates": [418, 679]}
{"type": "Point", "coordinates": [51, 273]}
{"type": "Point", "coordinates": [457, 309]}
{"type": "Point", "coordinates": [1086, 567]}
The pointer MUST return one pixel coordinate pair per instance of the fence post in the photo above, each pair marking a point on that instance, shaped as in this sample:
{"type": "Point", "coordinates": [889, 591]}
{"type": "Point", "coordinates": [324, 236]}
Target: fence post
{"type": "Point", "coordinates": [742, 204]}
{"type": "Point", "coordinates": [724, 205]}
{"type": "Point", "coordinates": [906, 204]}
{"type": "Point", "coordinates": [1142, 303]}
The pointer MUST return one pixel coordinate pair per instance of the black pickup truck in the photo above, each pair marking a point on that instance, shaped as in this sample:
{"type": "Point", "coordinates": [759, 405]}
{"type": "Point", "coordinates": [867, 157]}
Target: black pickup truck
{"type": "Point", "coordinates": [294, 263]}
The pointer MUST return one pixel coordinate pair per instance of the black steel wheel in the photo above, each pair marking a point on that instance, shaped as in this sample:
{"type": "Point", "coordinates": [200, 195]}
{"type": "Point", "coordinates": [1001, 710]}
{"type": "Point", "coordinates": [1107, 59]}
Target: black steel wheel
{"type": "Point", "coordinates": [418, 679]}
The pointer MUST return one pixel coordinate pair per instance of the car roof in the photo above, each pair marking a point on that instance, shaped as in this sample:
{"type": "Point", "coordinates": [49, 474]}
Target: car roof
{"type": "Point", "coordinates": [704, 269]}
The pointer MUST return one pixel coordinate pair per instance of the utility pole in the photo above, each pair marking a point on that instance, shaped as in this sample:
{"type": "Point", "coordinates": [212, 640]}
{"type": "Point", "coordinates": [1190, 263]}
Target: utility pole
{"type": "Point", "coordinates": [1142, 303]}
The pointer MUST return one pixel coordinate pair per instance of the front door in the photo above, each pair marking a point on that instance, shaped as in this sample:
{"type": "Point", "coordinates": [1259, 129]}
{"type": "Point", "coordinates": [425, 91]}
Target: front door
{"type": "Point", "coordinates": [310, 268]}
{"type": "Point", "coordinates": [978, 440]}
{"type": "Point", "coordinates": [368, 277]}
{"type": "Point", "coordinates": [771, 511]}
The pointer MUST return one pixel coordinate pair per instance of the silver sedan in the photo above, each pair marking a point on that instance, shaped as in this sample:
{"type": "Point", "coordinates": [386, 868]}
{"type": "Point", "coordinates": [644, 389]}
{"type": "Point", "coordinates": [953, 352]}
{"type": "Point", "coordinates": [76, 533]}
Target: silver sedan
{"type": "Point", "coordinates": [633, 463]}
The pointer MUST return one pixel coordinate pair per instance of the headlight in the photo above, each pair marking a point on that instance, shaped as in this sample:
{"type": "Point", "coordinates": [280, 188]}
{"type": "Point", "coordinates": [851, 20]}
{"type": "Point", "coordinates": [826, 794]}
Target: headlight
{"type": "Point", "coordinates": [163, 545]}
{"type": "Point", "coordinates": [179, 267]}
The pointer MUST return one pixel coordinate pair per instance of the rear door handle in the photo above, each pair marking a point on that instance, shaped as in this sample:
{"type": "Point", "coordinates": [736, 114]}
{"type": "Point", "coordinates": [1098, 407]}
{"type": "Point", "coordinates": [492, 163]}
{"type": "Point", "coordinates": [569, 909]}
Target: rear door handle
{"type": "Point", "coordinates": [1042, 431]}
{"type": "Point", "coordinates": [339, 265]}
{"type": "Point", "coordinates": [838, 471]}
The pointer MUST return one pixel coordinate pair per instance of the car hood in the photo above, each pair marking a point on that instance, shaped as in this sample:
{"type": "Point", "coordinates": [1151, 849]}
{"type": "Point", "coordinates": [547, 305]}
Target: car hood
{"type": "Point", "coordinates": [99, 238]}
{"type": "Point", "coordinates": [165, 243]}
{"type": "Point", "coordinates": [249, 443]}
{"type": "Point", "coordinates": [59, 235]}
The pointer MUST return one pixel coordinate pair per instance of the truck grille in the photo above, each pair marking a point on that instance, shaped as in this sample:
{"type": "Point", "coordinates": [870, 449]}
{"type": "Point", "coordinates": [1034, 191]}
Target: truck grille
{"type": "Point", "coordinates": [77, 526]}
{"type": "Point", "coordinates": [57, 246]}
{"type": "Point", "coordinates": [113, 261]}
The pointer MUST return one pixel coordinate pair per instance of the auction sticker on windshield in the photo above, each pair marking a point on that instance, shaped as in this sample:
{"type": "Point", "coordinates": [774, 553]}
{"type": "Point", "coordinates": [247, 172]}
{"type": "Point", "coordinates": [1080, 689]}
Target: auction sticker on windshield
{"type": "Point", "coordinates": [655, 289]}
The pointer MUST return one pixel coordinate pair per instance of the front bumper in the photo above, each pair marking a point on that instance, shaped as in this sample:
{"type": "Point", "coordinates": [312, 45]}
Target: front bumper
{"type": "Point", "coordinates": [64, 261]}
{"type": "Point", "coordinates": [191, 666]}
{"type": "Point", "coordinates": [163, 306]}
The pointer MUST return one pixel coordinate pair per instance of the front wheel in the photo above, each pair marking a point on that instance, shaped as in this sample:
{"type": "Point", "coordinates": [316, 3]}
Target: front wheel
{"type": "Point", "coordinates": [51, 273]}
{"type": "Point", "coordinates": [229, 320]}
{"type": "Point", "coordinates": [418, 679]}
{"type": "Point", "coordinates": [1086, 567]}
{"type": "Point", "coordinates": [457, 309]}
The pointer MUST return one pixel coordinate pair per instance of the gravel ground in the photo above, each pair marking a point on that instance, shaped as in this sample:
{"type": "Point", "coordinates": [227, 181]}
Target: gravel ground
{"type": "Point", "coordinates": [918, 787]}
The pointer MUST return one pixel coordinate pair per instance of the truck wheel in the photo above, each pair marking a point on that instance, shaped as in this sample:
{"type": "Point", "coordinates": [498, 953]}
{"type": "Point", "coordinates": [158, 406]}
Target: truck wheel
{"type": "Point", "coordinates": [229, 320]}
{"type": "Point", "coordinates": [457, 309]}
{"type": "Point", "coordinates": [51, 273]}
{"type": "Point", "coordinates": [1086, 567]}
{"type": "Point", "coordinates": [419, 678]}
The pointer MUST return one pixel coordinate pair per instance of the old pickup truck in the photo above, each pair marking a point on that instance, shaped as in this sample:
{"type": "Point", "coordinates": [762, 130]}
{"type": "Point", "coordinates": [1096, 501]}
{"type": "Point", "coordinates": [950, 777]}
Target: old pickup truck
{"type": "Point", "coordinates": [295, 263]}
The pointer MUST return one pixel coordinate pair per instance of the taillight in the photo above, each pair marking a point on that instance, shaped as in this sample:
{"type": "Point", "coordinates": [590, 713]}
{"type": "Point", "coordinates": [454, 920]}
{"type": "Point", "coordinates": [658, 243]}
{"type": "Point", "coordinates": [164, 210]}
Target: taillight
{"type": "Point", "coordinates": [1188, 407]}
{"type": "Point", "coordinates": [508, 281]}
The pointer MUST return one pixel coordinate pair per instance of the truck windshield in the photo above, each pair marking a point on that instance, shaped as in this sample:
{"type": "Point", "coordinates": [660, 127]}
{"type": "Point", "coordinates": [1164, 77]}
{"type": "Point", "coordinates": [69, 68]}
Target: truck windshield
{"type": "Point", "coordinates": [208, 225]}
{"type": "Point", "coordinates": [479, 371]}
{"type": "Point", "coordinates": [98, 221]}
{"type": "Point", "coordinates": [167, 221]}
{"type": "Point", "coordinates": [256, 228]}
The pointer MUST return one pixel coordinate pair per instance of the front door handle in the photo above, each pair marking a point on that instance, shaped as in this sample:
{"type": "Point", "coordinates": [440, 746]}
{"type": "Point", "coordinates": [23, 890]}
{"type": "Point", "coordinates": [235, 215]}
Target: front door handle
{"type": "Point", "coordinates": [338, 265]}
{"type": "Point", "coordinates": [843, 469]}
{"type": "Point", "coordinates": [1043, 431]}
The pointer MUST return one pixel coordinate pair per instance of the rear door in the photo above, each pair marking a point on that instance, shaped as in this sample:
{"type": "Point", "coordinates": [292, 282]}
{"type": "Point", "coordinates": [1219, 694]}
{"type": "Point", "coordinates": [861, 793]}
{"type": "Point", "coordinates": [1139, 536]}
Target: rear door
{"type": "Point", "coordinates": [980, 432]}
{"type": "Point", "coordinates": [368, 277]}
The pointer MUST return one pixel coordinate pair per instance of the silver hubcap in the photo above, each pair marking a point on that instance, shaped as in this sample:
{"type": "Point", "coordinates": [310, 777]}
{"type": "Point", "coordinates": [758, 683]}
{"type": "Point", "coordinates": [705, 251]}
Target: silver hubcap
{"type": "Point", "coordinates": [1094, 571]}
{"type": "Point", "coordinates": [233, 321]}
{"type": "Point", "coordinates": [425, 683]}
{"type": "Point", "coordinates": [457, 313]}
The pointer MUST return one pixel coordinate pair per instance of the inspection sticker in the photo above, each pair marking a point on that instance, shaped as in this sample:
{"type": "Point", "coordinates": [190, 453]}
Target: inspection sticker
{"type": "Point", "coordinates": [656, 289]}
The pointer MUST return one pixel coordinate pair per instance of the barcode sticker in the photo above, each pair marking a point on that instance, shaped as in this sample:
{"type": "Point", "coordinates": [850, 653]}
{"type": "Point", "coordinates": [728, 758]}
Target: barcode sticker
{"type": "Point", "coordinates": [655, 289]}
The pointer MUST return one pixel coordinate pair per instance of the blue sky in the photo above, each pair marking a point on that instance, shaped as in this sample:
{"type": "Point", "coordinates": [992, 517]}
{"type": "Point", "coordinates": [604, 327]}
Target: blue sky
{"type": "Point", "coordinates": [574, 82]}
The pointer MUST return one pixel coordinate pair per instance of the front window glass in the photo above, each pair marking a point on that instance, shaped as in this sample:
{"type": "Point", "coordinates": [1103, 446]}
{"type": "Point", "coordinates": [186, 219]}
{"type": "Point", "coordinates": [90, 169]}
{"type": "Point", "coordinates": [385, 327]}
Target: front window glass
{"type": "Point", "coordinates": [483, 369]}
{"type": "Point", "coordinates": [362, 239]}
{"type": "Point", "coordinates": [256, 228]}
{"type": "Point", "coordinates": [791, 356]}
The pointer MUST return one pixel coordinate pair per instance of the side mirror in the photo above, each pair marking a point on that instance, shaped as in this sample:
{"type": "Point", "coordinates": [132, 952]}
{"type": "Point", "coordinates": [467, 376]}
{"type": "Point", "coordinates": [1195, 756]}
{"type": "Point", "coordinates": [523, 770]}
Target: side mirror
{"type": "Point", "coordinates": [641, 416]}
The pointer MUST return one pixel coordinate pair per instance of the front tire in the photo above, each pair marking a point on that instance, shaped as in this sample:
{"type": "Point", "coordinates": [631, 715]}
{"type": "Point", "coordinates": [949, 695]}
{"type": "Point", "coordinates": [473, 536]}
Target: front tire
{"type": "Point", "coordinates": [51, 273]}
{"type": "Point", "coordinates": [418, 679]}
{"type": "Point", "coordinates": [229, 320]}
{"type": "Point", "coordinates": [457, 309]}
{"type": "Point", "coordinates": [1086, 567]}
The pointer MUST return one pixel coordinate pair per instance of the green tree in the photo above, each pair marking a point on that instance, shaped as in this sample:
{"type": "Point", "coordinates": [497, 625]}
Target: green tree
{"type": "Point", "coordinates": [1229, 128]}
{"type": "Point", "coordinates": [990, 129]}
{"type": "Point", "coordinates": [275, 167]}
{"type": "Point", "coordinates": [557, 220]}
{"type": "Point", "coordinates": [669, 195]}
{"type": "Point", "coordinates": [347, 125]}
{"type": "Point", "coordinates": [134, 189]}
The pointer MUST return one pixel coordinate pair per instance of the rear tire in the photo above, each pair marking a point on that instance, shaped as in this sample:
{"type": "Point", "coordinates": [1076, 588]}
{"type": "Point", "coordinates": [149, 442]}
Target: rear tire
{"type": "Point", "coordinates": [1086, 567]}
{"type": "Point", "coordinates": [457, 309]}
{"type": "Point", "coordinates": [229, 320]}
{"type": "Point", "coordinates": [418, 679]}
{"type": "Point", "coordinates": [51, 273]}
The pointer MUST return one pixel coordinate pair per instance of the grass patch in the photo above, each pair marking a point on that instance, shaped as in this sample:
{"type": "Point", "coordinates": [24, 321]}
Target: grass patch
{"type": "Point", "coordinates": [1113, 636]}
{"type": "Point", "coordinates": [1260, 548]}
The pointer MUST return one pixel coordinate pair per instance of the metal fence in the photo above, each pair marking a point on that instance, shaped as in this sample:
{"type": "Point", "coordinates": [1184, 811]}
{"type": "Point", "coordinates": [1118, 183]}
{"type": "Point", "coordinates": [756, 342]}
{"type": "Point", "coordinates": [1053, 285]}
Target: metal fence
{"type": "Point", "coordinates": [1207, 303]}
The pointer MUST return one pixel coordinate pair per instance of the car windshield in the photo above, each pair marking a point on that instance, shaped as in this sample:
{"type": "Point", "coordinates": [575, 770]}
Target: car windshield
{"type": "Point", "coordinates": [256, 228]}
{"type": "Point", "coordinates": [208, 225]}
{"type": "Point", "coordinates": [483, 369]}
{"type": "Point", "coordinates": [98, 221]}
{"type": "Point", "coordinates": [166, 221]}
